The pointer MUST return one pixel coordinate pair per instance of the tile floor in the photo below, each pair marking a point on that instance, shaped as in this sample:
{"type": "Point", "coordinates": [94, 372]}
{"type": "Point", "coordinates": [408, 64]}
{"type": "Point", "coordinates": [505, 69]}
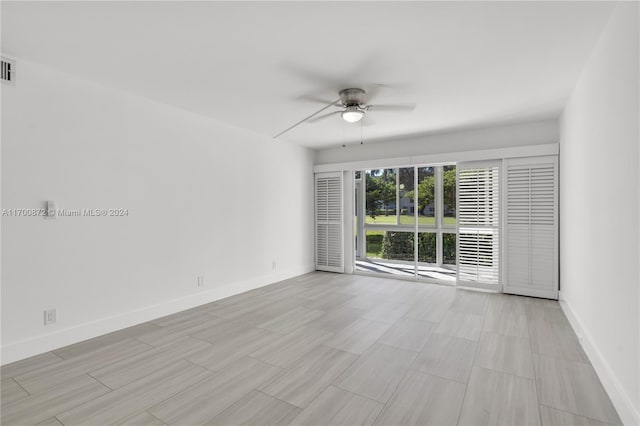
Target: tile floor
{"type": "Point", "coordinates": [323, 349]}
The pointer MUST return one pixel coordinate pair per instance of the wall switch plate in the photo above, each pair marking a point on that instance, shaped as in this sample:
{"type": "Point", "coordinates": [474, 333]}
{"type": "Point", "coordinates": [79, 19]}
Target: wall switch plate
{"type": "Point", "coordinates": [273, 265]}
{"type": "Point", "coordinates": [49, 316]}
{"type": "Point", "coordinates": [200, 280]}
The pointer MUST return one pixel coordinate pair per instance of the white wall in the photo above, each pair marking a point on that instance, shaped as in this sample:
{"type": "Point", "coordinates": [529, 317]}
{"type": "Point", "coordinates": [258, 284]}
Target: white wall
{"type": "Point", "coordinates": [599, 212]}
{"type": "Point", "coordinates": [204, 198]}
{"type": "Point", "coordinates": [499, 136]}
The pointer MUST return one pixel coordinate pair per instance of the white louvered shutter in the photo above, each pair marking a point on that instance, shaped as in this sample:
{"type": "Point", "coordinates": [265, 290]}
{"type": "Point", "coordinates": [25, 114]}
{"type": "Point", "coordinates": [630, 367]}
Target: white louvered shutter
{"type": "Point", "coordinates": [479, 224]}
{"type": "Point", "coordinates": [532, 227]}
{"type": "Point", "coordinates": [329, 232]}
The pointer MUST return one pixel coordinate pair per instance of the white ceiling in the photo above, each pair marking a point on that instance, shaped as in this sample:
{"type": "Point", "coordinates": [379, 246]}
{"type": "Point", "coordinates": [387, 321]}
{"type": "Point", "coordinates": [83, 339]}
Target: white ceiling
{"type": "Point", "coordinates": [462, 63]}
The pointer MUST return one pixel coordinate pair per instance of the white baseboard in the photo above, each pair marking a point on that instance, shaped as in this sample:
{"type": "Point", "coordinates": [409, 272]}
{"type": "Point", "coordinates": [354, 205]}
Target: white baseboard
{"type": "Point", "coordinates": [620, 399]}
{"type": "Point", "coordinates": [15, 351]}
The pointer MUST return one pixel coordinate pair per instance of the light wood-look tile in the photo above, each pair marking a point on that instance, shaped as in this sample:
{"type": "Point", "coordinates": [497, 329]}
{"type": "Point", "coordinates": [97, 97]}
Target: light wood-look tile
{"type": "Point", "coordinates": [272, 310]}
{"type": "Point", "coordinates": [327, 302]}
{"type": "Point", "coordinates": [358, 336]}
{"type": "Point", "coordinates": [42, 406]}
{"type": "Point", "coordinates": [30, 364]}
{"type": "Point", "coordinates": [143, 419]}
{"type": "Point", "coordinates": [243, 308]}
{"type": "Point", "coordinates": [336, 319]}
{"type": "Point", "coordinates": [194, 322]}
{"type": "Point", "coordinates": [573, 387]}
{"type": "Point", "coordinates": [165, 337]}
{"type": "Point", "coordinates": [507, 323]}
{"type": "Point", "coordinates": [366, 300]}
{"type": "Point", "coordinates": [550, 331]}
{"type": "Point", "coordinates": [461, 324]}
{"type": "Point", "coordinates": [337, 407]}
{"type": "Point", "coordinates": [286, 350]}
{"type": "Point", "coordinates": [292, 290]}
{"type": "Point", "coordinates": [423, 400]}
{"type": "Point", "coordinates": [50, 422]}
{"type": "Point", "coordinates": [407, 333]}
{"type": "Point", "coordinates": [231, 347]}
{"type": "Point", "coordinates": [388, 312]}
{"type": "Point", "coordinates": [53, 375]}
{"type": "Point", "coordinates": [321, 291]}
{"type": "Point", "coordinates": [91, 345]}
{"type": "Point", "coordinates": [470, 302]}
{"type": "Point", "coordinates": [550, 340]}
{"type": "Point", "coordinates": [221, 331]}
{"type": "Point", "coordinates": [496, 398]}
{"type": "Point", "coordinates": [303, 381]}
{"type": "Point", "coordinates": [125, 402]}
{"type": "Point", "coordinates": [553, 417]}
{"type": "Point", "coordinates": [11, 391]}
{"type": "Point", "coordinates": [256, 409]}
{"type": "Point", "coordinates": [432, 307]}
{"type": "Point", "coordinates": [414, 346]}
{"type": "Point", "coordinates": [506, 315]}
{"type": "Point", "coordinates": [447, 356]}
{"type": "Point", "coordinates": [508, 303]}
{"type": "Point", "coordinates": [508, 354]}
{"type": "Point", "coordinates": [291, 320]}
{"type": "Point", "coordinates": [127, 370]}
{"type": "Point", "coordinates": [202, 402]}
{"type": "Point", "coordinates": [242, 297]}
{"type": "Point", "coordinates": [175, 320]}
{"type": "Point", "coordinates": [377, 374]}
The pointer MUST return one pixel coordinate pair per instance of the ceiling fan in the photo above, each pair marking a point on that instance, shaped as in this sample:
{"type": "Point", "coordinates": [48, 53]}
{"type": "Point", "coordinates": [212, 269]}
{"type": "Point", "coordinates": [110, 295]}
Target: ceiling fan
{"type": "Point", "coordinates": [352, 108]}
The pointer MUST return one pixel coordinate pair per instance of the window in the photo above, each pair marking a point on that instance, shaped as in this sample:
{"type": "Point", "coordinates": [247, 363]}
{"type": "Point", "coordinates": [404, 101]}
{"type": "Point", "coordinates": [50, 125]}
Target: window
{"type": "Point", "coordinates": [405, 221]}
{"type": "Point", "coordinates": [449, 196]}
{"type": "Point", "coordinates": [426, 196]}
{"type": "Point", "coordinates": [381, 196]}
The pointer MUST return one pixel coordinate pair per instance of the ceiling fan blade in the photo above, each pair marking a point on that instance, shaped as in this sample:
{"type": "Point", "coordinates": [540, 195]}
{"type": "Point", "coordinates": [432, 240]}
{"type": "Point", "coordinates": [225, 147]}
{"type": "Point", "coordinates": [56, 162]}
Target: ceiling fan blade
{"type": "Point", "coordinates": [373, 89]}
{"type": "Point", "coordinates": [310, 75]}
{"type": "Point", "coordinates": [323, 116]}
{"type": "Point", "coordinates": [362, 64]}
{"type": "Point", "coordinates": [306, 118]}
{"type": "Point", "coordinates": [314, 99]}
{"type": "Point", "coordinates": [396, 107]}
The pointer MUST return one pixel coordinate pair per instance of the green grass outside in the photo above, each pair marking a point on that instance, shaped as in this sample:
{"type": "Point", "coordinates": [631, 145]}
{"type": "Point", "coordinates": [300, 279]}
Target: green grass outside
{"type": "Point", "coordinates": [374, 238]}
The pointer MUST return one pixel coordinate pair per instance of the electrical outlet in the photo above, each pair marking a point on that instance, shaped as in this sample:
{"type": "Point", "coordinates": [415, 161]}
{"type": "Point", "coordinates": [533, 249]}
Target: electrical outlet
{"type": "Point", "coordinates": [200, 280]}
{"type": "Point", "coordinates": [273, 265]}
{"type": "Point", "coordinates": [49, 316]}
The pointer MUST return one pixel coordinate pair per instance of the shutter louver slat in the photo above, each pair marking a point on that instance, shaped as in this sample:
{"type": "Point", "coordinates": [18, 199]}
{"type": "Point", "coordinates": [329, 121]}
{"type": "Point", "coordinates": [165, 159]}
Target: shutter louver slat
{"type": "Point", "coordinates": [478, 224]}
{"type": "Point", "coordinates": [329, 244]}
{"type": "Point", "coordinates": [531, 227]}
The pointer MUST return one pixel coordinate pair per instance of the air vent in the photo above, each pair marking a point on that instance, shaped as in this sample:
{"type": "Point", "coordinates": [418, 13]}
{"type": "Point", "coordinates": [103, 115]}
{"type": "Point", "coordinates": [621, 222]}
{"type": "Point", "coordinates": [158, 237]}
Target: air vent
{"type": "Point", "coordinates": [8, 71]}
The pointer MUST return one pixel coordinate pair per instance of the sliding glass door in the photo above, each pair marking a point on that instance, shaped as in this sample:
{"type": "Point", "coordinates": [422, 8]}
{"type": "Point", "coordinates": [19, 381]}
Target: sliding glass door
{"type": "Point", "coordinates": [405, 222]}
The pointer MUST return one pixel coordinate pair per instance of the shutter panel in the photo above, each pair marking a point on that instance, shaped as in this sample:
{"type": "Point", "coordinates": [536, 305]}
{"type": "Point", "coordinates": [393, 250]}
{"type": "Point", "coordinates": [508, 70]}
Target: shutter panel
{"type": "Point", "coordinates": [329, 242]}
{"type": "Point", "coordinates": [479, 224]}
{"type": "Point", "coordinates": [532, 228]}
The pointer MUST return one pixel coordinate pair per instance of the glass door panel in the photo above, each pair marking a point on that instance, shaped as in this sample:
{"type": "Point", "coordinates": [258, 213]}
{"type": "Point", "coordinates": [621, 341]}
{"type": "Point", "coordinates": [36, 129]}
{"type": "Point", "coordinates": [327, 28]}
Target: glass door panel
{"type": "Point", "coordinates": [426, 196]}
{"type": "Point", "coordinates": [406, 194]}
{"type": "Point", "coordinates": [449, 196]}
{"type": "Point", "coordinates": [405, 222]}
{"type": "Point", "coordinates": [381, 196]}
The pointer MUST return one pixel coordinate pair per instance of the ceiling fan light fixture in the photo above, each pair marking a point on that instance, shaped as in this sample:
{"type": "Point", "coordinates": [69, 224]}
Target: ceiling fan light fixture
{"type": "Point", "coordinates": [352, 115]}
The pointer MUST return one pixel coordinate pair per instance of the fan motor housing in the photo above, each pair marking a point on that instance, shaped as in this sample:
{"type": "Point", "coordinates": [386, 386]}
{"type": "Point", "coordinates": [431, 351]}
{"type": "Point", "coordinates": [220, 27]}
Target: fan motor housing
{"type": "Point", "coordinates": [352, 97]}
